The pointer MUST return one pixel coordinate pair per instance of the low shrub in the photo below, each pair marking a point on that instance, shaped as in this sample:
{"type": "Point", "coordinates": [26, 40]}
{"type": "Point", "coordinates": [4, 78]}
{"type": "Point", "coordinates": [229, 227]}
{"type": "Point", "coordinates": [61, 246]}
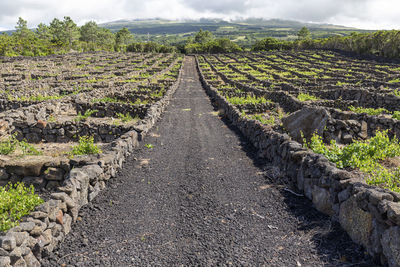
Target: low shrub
{"type": "Point", "coordinates": [16, 201]}
{"type": "Point", "coordinates": [86, 146]}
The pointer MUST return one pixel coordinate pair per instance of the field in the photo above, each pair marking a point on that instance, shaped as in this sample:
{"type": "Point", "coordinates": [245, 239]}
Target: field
{"type": "Point", "coordinates": [324, 127]}
{"type": "Point", "coordinates": [352, 100]}
{"type": "Point", "coordinates": [51, 108]}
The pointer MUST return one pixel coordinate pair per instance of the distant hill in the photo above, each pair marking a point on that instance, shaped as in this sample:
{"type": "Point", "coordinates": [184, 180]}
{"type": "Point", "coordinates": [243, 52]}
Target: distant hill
{"type": "Point", "coordinates": [242, 31]}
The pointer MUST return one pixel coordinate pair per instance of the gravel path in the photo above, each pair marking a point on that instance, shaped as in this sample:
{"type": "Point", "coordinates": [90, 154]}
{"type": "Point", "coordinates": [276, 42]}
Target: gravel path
{"type": "Point", "coordinates": [198, 197]}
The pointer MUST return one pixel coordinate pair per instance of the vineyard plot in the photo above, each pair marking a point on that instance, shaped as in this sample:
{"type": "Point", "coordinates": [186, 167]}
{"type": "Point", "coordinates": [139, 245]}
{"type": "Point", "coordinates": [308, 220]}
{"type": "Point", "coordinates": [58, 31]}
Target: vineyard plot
{"type": "Point", "coordinates": [52, 107]}
{"type": "Point", "coordinates": [359, 99]}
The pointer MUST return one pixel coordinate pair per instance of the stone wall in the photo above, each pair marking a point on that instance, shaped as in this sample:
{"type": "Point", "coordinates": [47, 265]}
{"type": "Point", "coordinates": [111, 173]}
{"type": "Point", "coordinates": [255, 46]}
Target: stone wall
{"type": "Point", "coordinates": [370, 215]}
{"type": "Point", "coordinates": [47, 226]}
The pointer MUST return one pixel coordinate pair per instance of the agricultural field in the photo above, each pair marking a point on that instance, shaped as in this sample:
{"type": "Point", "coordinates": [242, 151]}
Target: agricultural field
{"type": "Point", "coordinates": [345, 108]}
{"type": "Point", "coordinates": [56, 112]}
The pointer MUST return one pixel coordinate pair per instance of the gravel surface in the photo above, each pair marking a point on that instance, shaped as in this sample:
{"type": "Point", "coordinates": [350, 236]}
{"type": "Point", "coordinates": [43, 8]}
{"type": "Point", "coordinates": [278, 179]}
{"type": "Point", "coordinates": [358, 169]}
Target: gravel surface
{"type": "Point", "coordinates": [199, 197]}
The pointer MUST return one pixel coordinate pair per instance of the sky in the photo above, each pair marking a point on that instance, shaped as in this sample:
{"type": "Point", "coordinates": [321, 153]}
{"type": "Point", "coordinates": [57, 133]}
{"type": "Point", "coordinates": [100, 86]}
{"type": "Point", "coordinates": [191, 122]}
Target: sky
{"type": "Point", "coordinates": [364, 14]}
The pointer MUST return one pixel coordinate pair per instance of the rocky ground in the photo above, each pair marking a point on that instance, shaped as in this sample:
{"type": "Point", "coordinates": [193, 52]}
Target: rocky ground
{"type": "Point", "coordinates": [195, 194]}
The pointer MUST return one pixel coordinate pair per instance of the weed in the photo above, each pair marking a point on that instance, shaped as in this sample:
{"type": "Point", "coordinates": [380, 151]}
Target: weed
{"type": "Point", "coordinates": [86, 146]}
{"type": "Point", "coordinates": [149, 146]}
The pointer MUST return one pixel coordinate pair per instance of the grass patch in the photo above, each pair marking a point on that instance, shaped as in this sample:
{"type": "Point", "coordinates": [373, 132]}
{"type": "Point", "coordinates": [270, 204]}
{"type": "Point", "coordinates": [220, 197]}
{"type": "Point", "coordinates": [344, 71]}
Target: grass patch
{"type": "Point", "coordinates": [16, 201]}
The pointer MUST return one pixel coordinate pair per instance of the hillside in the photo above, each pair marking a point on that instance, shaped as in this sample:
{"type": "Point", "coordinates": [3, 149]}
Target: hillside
{"type": "Point", "coordinates": [244, 31]}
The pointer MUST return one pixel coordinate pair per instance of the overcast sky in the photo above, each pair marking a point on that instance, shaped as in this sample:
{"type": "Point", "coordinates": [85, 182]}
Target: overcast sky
{"type": "Point", "coordinates": [366, 14]}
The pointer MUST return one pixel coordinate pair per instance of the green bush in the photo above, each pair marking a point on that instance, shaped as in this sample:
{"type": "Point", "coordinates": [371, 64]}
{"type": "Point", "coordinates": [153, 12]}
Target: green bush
{"type": "Point", "coordinates": [16, 201]}
{"type": "Point", "coordinates": [365, 156]}
{"type": "Point", "coordinates": [86, 146]}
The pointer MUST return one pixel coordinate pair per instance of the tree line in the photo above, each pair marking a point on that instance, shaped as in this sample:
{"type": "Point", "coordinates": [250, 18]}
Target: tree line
{"type": "Point", "coordinates": [380, 43]}
{"type": "Point", "coordinates": [64, 36]}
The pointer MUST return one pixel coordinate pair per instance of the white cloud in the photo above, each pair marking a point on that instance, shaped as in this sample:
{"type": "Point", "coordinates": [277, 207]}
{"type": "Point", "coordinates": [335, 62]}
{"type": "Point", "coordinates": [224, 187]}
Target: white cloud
{"type": "Point", "coordinates": [372, 14]}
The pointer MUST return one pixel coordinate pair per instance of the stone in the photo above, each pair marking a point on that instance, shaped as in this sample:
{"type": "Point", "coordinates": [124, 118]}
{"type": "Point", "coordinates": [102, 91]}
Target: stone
{"type": "Point", "coordinates": [59, 217]}
{"type": "Point", "coordinates": [52, 185]}
{"type": "Point", "coordinates": [31, 166]}
{"type": "Point", "coordinates": [344, 195]}
{"type": "Point", "coordinates": [4, 176]}
{"type": "Point", "coordinates": [308, 120]}
{"type": "Point", "coordinates": [347, 138]}
{"type": "Point", "coordinates": [20, 263]}
{"type": "Point", "coordinates": [3, 252]}
{"type": "Point", "coordinates": [83, 180]}
{"type": "Point", "coordinates": [321, 200]}
{"type": "Point", "coordinates": [33, 137]}
{"type": "Point", "coordinates": [356, 222]}
{"type": "Point", "coordinates": [36, 231]}
{"type": "Point", "coordinates": [45, 238]}
{"type": "Point", "coordinates": [3, 127]}
{"type": "Point", "coordinates": [391, 245]}
{"type": "Point", "coordinates": [15, 254]}
{"type": "Point", "coordinates": [393, 212]}
{"type": "Point", "coordinates": [41, 124]}
{"type": "Point", "coordinates": [93, 171]}
{"type": "Point", "coordinates": [364, 130]}
{"type": "Point", "coordinates": [64, 198]}
{"type": "Point", "coordinates": [54, 174]}
{"type": "Point", "coordinates": [5, 261]}
{"type": "Point", "coordinates": [20, 237]}
{"type": "Point", "coordinates": [37, 182]}
{"type": "Point", "coordinates": [8, 242]}
{"type": "Point", "coordinates": [67, 221]}
{"type": "Point", "coordinates": [31, 260]}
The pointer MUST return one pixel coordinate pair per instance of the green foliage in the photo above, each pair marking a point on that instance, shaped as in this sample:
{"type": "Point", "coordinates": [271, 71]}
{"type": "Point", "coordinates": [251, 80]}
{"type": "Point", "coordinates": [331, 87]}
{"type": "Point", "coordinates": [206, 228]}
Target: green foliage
{"type": "Point", "coordinates": [203, 37]}
{"type": "Point", "coordinates": [394, 81]}
{"type": "Point", "coordinates": [261, 118]}
{"type": "Point", "coordinates": [270, 43]}
{"type": "Point", "coordinates": [306, 97]}
{"type": "Point", "coordinates": [304, 33]}
{"type": "Point", "coordinates": [150, 47]}
{"type": "Point", "coordinates": [8, 146]}
{"type": "Point", "coordinates": [28, 149]}
{"type": "Point", "coordinates": [380, 43]}
{"type": "Point", "coordinates": [204, 42]}
{"type": "Point", "coordinates": [16, 201]}
{"type": "Point", "coordinates": [126, 117]}
{"type": "Point", "coordinates": [246, 100]}
{"type": "Point", "coordinates": [365, 156]}
{"type": "Point", "coordinates": [123, 38]}
{"type": "Point", "coordinates": [369, 111]}
{"type": "Point", "coordinates": [149, 146]}
{"type": "Point", "coordinates": [86, 146]}
{"type": "Point", "coordinates": [86, 115]}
